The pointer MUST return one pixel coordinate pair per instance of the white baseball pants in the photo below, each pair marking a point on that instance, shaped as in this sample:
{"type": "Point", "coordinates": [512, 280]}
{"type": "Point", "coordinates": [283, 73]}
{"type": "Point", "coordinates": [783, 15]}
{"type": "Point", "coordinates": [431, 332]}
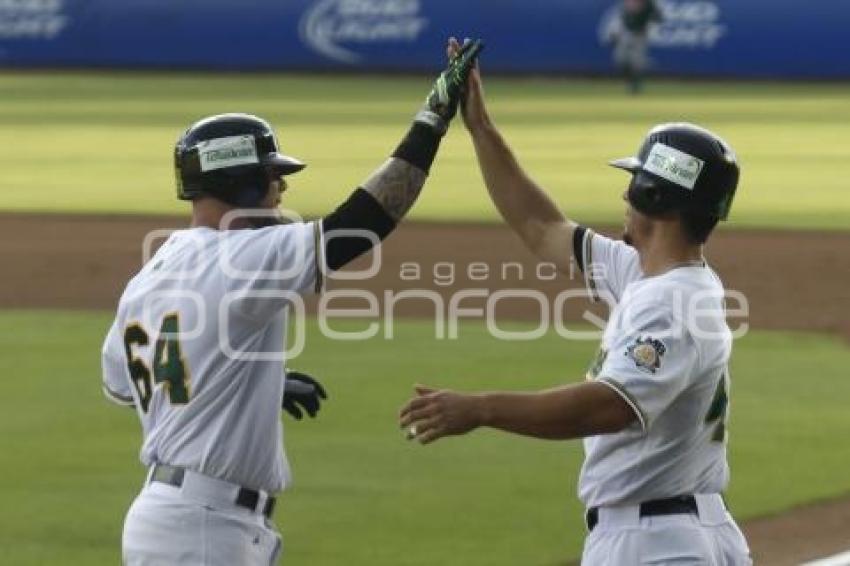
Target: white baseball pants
{"type": "Point", "coordinates": [175, 526]}
{"type": "Point", "coordinates": [624, 538]}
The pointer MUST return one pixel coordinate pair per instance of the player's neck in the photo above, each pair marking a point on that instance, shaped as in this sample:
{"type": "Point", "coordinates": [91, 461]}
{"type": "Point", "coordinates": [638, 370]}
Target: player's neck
{"type": "Point", "coordinates": [209, 212]}
{"type": "Point", "coordinates": [660, 254]}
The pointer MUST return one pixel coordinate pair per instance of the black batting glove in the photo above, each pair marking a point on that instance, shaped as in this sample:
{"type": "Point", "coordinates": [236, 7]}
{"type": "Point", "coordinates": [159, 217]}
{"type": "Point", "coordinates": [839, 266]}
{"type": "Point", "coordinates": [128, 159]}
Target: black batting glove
{"type": "Point", "coordinates": [302, 392]}
{"type": "Point", "coordinates": [442, 102]}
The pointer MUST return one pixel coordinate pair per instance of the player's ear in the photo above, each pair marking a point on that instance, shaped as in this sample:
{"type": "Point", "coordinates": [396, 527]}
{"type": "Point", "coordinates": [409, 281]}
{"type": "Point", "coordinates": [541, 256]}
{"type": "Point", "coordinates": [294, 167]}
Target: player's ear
{"type": "Point", "coordinates": [276, 186]}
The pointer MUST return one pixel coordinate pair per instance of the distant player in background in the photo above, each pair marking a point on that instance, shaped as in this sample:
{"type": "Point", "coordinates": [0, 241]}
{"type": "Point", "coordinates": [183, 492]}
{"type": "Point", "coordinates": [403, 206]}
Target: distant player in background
{"type": "Point", "coordinates": [631, 38]}
{"type": "Point", "coordinates": [197, 345]}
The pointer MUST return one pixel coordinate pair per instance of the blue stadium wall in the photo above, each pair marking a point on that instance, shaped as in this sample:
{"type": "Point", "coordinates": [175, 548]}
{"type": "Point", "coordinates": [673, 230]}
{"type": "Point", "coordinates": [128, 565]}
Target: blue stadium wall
{"type": "Point", "coordinates": [735, 38]}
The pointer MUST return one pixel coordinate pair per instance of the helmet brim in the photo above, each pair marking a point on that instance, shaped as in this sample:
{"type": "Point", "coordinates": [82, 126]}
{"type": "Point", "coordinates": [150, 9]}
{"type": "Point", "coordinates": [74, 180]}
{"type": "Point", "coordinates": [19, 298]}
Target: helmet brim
{"type": "Point", "coordinates": [283, 164]}
{"type": "Point", "coordinates": [630, 164]}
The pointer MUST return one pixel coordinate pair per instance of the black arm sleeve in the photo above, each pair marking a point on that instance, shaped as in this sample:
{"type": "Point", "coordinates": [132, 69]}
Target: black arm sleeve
{"type": "Point", "coordinates": [578, 246]}
{"type": "Point", "coordinates": [360, 212]}
{"type": "Point", "coordinates": [363, 212]}
{"type": "Point", "coordinates": [419, 147]}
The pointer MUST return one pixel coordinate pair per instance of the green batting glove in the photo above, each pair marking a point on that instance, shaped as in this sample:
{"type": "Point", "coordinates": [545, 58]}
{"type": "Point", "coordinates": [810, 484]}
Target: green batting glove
{"type": "Point", "coordinates": [442, 102]}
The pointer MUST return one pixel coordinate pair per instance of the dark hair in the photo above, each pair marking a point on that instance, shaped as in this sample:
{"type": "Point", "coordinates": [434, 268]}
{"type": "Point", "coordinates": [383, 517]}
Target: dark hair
{"type": "Point", "coordinates": [697, 227]}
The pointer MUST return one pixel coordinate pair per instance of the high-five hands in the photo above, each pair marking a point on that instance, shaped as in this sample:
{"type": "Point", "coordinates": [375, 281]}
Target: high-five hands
{"type": "Point", "coordinates": [472, 97]}
{"type": "Point", "coordinates": [442, 102]}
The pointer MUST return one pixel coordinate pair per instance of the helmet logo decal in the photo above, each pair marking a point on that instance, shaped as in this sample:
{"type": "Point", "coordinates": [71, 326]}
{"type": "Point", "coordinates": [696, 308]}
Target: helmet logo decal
{"type": "Point", "coordinates": [676, 166]}
{"type": "Point", "coordinates": [219, 153]}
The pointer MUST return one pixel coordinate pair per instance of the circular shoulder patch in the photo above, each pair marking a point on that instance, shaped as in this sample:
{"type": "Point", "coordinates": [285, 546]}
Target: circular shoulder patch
{"type": "Point", "coordinates": [646, 352]}
{"type": "Point", "coordinates": [645, 355]}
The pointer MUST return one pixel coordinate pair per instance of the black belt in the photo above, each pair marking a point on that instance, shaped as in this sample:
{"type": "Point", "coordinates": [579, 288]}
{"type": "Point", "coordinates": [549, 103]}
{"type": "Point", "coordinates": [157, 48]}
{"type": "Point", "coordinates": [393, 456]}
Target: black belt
{"type": "Point", "coordinates": [248, 498]}
{"type": "Point", "coordinates": [683, 504]}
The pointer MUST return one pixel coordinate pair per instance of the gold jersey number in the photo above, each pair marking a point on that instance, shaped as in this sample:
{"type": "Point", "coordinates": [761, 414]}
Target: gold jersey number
{"type": "Point", "coordinates": [169, 366]}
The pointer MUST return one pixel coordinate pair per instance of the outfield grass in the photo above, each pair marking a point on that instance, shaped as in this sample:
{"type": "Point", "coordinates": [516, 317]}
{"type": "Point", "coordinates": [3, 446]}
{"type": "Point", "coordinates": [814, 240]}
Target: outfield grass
{"type": "Point", "coordinates": [364, 496]}
{"type": "Point", "coordinates": [102, 142]}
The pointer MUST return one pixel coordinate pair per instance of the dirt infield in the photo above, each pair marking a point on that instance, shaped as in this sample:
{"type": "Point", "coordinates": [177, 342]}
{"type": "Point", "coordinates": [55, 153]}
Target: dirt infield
{"type": "Point", "coordinates": [792, 280]}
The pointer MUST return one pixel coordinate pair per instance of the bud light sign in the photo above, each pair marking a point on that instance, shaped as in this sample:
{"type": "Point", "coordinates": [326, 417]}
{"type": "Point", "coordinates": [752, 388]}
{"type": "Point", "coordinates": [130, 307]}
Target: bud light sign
{"type": "Point", "coordinates": [337, 28]}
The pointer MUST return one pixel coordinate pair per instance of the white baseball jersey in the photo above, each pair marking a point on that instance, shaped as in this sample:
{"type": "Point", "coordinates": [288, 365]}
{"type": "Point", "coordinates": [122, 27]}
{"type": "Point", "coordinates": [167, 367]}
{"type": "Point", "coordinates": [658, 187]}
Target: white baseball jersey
{"type": "Point", "coordinates": [665, 350]}
{"type": "Point", "coordinates": [198, 347]}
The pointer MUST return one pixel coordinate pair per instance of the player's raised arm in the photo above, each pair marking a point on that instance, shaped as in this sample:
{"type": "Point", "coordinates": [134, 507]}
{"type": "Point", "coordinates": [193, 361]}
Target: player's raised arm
{"type": "Point", "coordinates": [525, 206]}
{"type": "Point", "coordinates": [386, 196]}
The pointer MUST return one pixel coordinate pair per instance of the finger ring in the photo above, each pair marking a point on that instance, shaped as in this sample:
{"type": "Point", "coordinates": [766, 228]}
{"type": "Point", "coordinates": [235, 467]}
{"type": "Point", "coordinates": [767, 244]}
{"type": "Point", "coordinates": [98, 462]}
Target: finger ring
{"type": "Point", "coordinates": [411, 432]}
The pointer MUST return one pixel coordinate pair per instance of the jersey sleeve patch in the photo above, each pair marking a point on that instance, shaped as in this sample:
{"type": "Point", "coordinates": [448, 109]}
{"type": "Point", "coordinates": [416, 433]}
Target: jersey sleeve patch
{"type": "Point", "coordinates": [652, 357]}
{"type": "Point", "coordinates": [646, 353]}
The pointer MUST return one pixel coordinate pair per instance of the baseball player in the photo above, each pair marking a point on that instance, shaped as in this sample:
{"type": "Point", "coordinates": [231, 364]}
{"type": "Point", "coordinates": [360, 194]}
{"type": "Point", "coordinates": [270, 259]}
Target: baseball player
{"type": "Point", "coordinates": [197, 345]}
{"type": "Point", "coordinates": [630, 37]}
{"type": "Point", "coordinates": [652, 410]}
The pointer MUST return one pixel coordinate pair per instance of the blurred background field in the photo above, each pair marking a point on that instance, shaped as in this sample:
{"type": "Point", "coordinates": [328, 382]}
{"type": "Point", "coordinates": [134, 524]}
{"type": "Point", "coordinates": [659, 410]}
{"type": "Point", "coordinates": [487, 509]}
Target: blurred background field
{"type": "Point", "coordinates": [362, 494]}
{"type": "Point", "coordinates": [102, 141]}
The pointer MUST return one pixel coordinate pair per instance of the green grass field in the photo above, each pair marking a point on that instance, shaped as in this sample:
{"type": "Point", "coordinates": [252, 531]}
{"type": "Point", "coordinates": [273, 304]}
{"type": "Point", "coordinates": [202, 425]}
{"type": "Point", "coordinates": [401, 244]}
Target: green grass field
{"type": "Point", "coordinates": [102, 142]}
{"type": "Point", "coordinates": [365, 496]}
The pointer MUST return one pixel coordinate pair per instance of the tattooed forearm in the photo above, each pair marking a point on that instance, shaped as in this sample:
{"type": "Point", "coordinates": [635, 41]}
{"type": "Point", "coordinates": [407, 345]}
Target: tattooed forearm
{"type": "Point", "coordinates": [395, 185]}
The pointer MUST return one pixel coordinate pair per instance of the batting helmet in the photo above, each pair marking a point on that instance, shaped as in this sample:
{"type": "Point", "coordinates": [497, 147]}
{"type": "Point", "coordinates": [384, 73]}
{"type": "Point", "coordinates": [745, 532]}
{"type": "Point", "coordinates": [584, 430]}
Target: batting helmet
{"type": "Point", "coordinates": [231, 157]}
{"type": "Point", "coordinates": [682, 167]}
